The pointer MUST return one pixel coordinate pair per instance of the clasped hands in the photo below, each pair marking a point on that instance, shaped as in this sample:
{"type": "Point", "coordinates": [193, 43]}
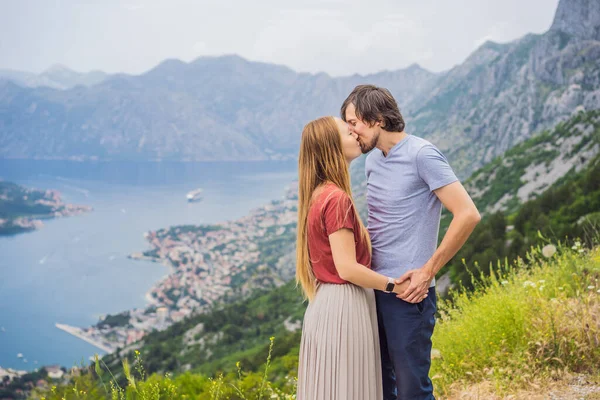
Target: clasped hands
{"type": "Point", "coordinates": [413, 286]}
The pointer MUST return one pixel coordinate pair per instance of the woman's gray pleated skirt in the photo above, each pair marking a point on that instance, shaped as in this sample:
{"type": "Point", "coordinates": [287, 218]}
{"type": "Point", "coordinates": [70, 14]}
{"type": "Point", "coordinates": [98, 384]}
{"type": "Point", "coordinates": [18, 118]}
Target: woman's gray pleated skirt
{"type": "Point", "coordinates": [339, 351]}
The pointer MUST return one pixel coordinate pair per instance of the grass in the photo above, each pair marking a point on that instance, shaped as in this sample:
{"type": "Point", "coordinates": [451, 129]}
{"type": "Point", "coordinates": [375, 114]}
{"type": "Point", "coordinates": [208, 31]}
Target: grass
{"type": "Point", "coordinates": [536, 321]}
{"type": "Point", "coordinates": [98, 382]}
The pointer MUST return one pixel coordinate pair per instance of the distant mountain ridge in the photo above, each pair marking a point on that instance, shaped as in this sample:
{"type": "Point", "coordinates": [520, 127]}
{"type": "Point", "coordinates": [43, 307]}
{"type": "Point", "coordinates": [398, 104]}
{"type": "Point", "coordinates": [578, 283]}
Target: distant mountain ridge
{"type": "Point", "coordinates": [214, 108]}
{"type": "Point", "coordinates": [56, 77]}
{"type": "Point", "coordinates": [228, 108]}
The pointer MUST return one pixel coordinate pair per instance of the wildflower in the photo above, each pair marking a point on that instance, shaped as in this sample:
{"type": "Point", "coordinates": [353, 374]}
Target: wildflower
{"type": "Point", "coordinates": [504, 282]}
{"type": "Point", "coordinates": [528, 284]}
{"type": "Point", "coordinates": [591, 287]}
{"type": "Point", "coordinates": [549, 250]}
{"type": "Point", "coordinates": [541, 288]}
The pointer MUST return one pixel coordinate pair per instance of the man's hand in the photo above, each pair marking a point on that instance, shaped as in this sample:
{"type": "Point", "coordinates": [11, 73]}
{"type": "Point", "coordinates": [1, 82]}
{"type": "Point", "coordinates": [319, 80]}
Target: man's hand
{"type": "Point", "coordinates": [420, 280]}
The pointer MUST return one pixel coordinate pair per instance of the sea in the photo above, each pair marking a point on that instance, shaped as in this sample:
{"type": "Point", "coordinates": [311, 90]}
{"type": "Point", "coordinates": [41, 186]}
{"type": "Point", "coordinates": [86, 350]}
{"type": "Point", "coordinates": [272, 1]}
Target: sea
{"type": "Point", "coordinates": [75, 269]}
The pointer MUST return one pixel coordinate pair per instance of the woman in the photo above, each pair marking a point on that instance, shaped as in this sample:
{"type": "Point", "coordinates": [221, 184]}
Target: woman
{"type": "Point", "coordinates": [339, 352]}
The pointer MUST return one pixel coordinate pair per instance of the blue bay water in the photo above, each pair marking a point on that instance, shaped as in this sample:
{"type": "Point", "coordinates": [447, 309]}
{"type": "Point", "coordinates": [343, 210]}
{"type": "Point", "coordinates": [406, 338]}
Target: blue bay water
{"type": "Point", "coordinates": [76, 268]}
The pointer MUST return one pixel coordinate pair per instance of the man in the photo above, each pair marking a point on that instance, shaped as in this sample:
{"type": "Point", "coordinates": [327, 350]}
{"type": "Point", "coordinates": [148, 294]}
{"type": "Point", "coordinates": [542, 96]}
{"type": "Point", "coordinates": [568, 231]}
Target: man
{"type": "Point", "coordinates": [408, 181]}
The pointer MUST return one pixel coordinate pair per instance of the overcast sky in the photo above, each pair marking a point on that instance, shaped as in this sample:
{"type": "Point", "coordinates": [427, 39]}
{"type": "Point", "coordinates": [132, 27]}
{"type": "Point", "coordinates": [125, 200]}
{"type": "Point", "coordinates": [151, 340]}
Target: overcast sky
{"type": "Point", "coordinates": [339, 37]}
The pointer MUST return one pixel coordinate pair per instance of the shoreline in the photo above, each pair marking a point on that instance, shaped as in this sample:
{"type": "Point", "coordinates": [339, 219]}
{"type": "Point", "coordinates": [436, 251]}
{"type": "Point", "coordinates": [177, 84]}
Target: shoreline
{"type": "Point", "coordinates": [150, 301]}
{"type": "Point", "coordinates": [34, 222]}
{"type": "Point", "coordinates": [138, 256]}
{"type": "Point", "coordinates": [78, 333]}
{"type": "Point", "coordinates": [207, 285]}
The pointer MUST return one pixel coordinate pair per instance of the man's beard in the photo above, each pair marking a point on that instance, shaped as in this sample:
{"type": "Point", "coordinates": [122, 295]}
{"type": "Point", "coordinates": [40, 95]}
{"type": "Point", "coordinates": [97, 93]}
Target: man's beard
{"type": "Point", "coordinates": [365, 148]}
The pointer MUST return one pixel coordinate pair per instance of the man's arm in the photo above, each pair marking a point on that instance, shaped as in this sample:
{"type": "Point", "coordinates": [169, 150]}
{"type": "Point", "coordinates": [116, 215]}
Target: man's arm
{"type": "Point", "coordinates": [464, 219]}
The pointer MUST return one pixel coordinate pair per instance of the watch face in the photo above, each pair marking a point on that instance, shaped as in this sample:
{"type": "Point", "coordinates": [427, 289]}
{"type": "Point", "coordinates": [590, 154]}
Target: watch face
{"type": "Point", "coordinates": [390, 286]}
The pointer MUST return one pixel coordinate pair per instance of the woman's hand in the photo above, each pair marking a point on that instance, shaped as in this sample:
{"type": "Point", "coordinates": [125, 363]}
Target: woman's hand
{"type": "Point", "coordinates": [401, 286]}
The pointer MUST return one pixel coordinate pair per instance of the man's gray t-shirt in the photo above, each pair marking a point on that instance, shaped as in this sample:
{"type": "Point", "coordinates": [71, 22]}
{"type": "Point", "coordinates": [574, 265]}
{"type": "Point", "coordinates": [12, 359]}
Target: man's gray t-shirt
{"type": "Point", "coordinates": [404, 212]}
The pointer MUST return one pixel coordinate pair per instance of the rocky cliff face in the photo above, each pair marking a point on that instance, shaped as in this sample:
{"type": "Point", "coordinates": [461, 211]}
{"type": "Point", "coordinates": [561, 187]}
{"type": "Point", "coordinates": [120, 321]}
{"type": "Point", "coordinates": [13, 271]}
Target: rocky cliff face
{"type": "Point", "coordinates": [531, 167]}
{"type": "Point", "coordinates": [578, 18]}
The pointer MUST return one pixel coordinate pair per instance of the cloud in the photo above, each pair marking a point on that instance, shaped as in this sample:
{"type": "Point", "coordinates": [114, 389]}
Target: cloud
{"type": "Point", "coordinates": [199, 48]}
{"type": "Point", "coordinates": [340, 37]}
{"type": "Point", "coordinates": [331, 40]}
{"type": "Point", "coordinates": [132, 7]}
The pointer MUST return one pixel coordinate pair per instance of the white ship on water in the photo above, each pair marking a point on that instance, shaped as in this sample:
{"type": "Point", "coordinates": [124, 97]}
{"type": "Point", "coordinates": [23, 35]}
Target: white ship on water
{"type": "Point", "coordinates": [194, 195]}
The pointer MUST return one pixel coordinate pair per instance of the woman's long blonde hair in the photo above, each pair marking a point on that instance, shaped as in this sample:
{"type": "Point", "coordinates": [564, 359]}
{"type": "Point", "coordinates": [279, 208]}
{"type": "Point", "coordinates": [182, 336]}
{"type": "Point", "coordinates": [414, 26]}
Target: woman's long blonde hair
{"type": "Point", "coordinates": [321, 160]}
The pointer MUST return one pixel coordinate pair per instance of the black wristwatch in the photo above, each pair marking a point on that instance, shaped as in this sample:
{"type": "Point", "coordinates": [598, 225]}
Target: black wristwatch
{"type": "Point", "coordinates": [389, 287]}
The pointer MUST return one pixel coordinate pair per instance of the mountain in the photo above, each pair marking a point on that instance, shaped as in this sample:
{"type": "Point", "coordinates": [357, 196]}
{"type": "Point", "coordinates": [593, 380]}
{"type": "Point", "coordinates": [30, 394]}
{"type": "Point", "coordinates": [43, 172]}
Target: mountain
{"type": "Point", "coordinates": [529, 168]}
{"type": "Point", "coordinates": [214, 108]}
{"type": "Point", "coordinates": [56, 77]}
{"type": "Point", "coordinates": [312, 96]}
{"type": "Point", "coordinates": [228, 108]}
{"type": "Point", "coordinates": [503, 93]}
{"type": "Point", "coordinates": [65, 78]}
{"type": "Point", "coordinates": [548, 185]}
{"type": "Point", "coordinates": [578, 18]}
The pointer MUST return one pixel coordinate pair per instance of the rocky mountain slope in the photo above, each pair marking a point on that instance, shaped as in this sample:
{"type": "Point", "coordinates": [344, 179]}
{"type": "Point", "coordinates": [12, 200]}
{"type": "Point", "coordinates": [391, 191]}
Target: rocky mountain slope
{"type": "Point", "coordinates": [504, 93]}
{"type": "Point", "coordinates": [529, 168]}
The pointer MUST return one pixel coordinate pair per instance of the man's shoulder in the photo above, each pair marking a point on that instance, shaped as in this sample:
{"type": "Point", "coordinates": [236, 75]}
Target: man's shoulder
{"type": "Point", "coordinates": [416, 143]}
{"type": "Point", "coordinates": [418, 149]}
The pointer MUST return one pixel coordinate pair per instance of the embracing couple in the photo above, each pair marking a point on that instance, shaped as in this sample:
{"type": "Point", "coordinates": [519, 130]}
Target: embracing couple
{"type": "Point", "coordinates": [372, 302]}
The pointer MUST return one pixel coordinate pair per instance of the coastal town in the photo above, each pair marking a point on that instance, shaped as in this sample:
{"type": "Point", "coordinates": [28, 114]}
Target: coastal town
{"type": "Point", "coordinates": [206, 264]}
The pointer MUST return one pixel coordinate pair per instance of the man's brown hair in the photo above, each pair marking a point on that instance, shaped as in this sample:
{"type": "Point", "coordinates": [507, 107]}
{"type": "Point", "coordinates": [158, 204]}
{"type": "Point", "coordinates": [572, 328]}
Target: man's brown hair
{"type": "Point", "coordinates": [374, 104]}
